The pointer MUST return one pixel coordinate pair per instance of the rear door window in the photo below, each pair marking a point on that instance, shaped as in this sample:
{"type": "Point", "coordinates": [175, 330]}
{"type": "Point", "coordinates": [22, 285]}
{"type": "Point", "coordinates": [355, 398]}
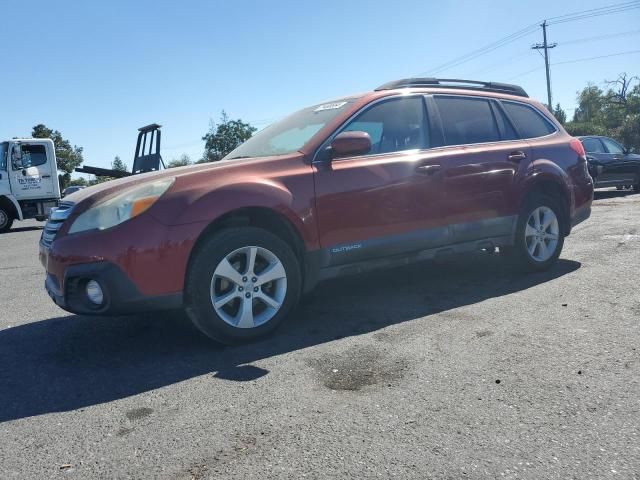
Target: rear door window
{"type": "Point", "coordinates": [504, 124]}
{"type": "Point", "coordinates": [592, 145]}
{"type": "Point", "coordinates": [466, 120]}
{"type": "Point", "coordinates": [528, 121]}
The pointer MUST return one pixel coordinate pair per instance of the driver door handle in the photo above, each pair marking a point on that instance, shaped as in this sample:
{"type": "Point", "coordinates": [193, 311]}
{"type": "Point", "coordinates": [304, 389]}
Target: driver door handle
{"type": "Point", "coordinates": [427, 169]}
{"type": "Point", "coordinates": [517, 156]}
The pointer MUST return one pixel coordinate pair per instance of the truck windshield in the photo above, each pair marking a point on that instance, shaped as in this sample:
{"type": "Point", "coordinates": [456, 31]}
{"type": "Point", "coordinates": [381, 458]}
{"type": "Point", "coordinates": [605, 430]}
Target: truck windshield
{"type": "Point", "coordinates": [4, 147]}
{"type": "Point", "coordinates": [291, 133]}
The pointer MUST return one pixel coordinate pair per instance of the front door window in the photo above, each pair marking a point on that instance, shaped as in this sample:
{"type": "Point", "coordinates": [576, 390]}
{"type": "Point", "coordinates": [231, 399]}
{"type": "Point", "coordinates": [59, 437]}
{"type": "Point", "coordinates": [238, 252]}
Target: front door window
{"type": "Point", "coordinates": [393, 125]}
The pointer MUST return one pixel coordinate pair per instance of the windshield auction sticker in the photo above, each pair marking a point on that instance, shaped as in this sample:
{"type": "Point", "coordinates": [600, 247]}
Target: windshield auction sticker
{"type": "Point", "coordinates": [330, 106]}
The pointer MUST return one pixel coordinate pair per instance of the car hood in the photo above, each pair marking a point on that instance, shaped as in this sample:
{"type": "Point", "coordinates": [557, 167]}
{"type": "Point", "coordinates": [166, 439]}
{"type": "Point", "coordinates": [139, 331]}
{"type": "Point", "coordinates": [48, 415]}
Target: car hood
{"type": "Point", "coordinates": [218, 170]}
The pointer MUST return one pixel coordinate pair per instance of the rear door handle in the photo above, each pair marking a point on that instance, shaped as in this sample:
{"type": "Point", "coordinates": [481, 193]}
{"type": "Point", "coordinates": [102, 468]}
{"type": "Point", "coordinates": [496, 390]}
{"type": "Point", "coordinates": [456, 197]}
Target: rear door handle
{"type": "Point", "coordinates": [427, 169]}
{"type": "Point", "coordinates": [517, 156]}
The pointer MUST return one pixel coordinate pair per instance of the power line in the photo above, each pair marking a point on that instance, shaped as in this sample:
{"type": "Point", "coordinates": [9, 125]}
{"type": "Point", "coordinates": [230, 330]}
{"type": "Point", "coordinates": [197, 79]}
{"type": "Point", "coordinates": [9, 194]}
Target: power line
{"type": "Point", "coordinates": [525, 73]}
{"type": "Point", "coordinates": [601, 37]}
{"type": "Point", "coordinates": [594, 12]}
{"type": "Point", "coordinates": [507, 62]}
{"type": "Point", "coordinates": [575, 61]}
{"type": "Point", "coordinates": [595, 58]}
{"type": "Point", "coordinates": [482, 51]}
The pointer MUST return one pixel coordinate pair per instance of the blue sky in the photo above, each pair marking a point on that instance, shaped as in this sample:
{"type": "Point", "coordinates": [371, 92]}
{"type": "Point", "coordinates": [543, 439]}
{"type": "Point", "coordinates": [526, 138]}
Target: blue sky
{"type": "Point", "coordinates": [97, 71]}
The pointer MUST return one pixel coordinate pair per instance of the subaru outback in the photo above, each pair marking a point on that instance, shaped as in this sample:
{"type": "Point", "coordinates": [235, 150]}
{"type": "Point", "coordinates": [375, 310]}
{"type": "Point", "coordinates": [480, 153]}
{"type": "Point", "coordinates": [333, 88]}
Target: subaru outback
{"type": "Point", "coordinates": [419, 168]}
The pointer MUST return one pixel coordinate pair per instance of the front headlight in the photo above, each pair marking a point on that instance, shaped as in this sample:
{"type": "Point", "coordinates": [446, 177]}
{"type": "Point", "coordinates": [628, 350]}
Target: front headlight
{"type": "Point", "coordinates": [122, 207]}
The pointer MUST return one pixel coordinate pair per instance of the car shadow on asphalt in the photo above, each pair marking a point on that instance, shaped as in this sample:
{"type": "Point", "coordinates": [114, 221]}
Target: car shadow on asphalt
{"type": "Point", "coordinates": [25, 229]}
{"type": "Point", "coordinates": [65, 363]}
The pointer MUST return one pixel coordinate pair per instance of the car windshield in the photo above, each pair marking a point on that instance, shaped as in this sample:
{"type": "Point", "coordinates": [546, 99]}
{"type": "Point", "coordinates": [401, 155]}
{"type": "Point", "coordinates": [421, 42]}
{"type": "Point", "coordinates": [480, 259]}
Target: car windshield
{"type": "Point", "coordinates": [291, 133]}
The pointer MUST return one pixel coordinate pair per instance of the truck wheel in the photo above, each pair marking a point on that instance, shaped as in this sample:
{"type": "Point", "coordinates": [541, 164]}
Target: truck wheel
{"type": "Point", "coordinates": [539, 234]}
{"type": "Point", "coordinates": [6, 220]}
{"type": "Point", "coordinates": [241, 285]}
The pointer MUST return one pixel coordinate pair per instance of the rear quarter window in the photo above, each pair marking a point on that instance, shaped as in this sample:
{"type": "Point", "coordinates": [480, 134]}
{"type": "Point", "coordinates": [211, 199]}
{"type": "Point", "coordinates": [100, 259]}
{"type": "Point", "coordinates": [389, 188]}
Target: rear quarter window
{"type": "Point", "coordinates": [528, 121]}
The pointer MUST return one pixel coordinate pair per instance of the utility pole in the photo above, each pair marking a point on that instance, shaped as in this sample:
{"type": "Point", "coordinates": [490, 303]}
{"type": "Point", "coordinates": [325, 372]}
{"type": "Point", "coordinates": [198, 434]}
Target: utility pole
{"type": "Point", "coordinates": [546, 46]}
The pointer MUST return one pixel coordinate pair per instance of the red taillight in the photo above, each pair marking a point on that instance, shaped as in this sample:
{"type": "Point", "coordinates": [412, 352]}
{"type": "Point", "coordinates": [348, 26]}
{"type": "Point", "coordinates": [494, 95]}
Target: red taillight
{"type": "Point", "coordinates": [576, 146]}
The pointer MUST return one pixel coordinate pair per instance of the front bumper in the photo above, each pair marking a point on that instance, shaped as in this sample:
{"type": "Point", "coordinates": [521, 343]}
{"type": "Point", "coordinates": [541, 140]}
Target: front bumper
{"type": "Point", "coordinates": [140, 265]}
{"type": "Point", "coordinates": [121, 296]}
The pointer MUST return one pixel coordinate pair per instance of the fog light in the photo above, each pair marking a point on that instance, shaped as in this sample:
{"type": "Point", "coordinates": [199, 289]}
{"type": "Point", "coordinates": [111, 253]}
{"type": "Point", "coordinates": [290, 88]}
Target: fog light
{"type": "Point", "coordinates": [94, 292]}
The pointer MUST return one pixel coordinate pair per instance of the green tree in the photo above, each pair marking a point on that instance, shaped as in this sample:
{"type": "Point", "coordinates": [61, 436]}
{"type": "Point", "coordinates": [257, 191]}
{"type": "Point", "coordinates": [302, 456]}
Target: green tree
{"type": "Point", "coordinates": [63, 180]}
{"type": "Point", "coordinates": [613, 113]}
{"type": "Point", "coordinates": [560, 114]}
{"type": "Point", "coordinates": [116, 164]}
{"type": "Point", "coordinates": [69, 157]}
{"type": "Point", "coordinates": [225, 136]}
{"type": "Point", "coordinates": [590, 105]}
{"type": "Point", "coordinates": [81, 182]}
{"type": "Point", "coordinates": [183, 161]}
{"type": "Point", "coordinates": [119, 165]}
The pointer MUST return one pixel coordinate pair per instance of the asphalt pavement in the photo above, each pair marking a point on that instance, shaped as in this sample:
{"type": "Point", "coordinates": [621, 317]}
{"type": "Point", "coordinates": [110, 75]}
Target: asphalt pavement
{"type": "Point", "coordinates": [457, 369]}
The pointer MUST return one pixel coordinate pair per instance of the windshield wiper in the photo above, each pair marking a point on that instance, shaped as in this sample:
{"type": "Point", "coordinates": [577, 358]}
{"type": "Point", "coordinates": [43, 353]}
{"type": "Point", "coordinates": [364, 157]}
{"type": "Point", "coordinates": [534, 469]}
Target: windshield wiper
{"type": "Point", "coordinates": [240, 156]}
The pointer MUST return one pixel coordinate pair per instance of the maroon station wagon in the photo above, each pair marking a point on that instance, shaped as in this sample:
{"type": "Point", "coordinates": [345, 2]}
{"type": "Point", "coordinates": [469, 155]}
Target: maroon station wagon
{"type": "Point", "coordinates": [417, 168]}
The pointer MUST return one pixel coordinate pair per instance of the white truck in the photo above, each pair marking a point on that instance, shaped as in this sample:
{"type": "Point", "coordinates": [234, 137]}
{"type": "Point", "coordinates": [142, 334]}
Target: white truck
{"type": "Point", "coordinates": [29, 186]}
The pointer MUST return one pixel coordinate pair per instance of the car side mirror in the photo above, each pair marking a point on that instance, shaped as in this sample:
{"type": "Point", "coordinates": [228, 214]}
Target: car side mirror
{"type": "Point", "coordinates": [351, 143]}
{"type": "Point", "coordinates": [629, 150]}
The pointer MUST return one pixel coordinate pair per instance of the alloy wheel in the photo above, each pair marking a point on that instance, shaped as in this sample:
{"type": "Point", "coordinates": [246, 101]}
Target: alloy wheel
{"type": "Point", "coordinates": [541, 234]}
{"type": "Point", "coordinates": [248, 287]}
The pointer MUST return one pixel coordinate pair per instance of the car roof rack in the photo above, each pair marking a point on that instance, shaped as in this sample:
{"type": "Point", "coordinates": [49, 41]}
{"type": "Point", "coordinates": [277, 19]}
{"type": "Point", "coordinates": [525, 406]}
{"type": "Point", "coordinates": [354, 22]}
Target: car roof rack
{"type": "Point", "coordinates": [455, 83]}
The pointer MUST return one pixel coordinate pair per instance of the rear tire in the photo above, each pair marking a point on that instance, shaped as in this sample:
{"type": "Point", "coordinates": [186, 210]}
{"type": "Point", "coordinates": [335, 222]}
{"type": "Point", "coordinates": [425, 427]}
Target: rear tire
{"type": "Point", "coordinates": [6, 220]}
{"type": "Point", "coordinates": [242, 284]}
{"type": "Point", "coordinates": [539, 234]}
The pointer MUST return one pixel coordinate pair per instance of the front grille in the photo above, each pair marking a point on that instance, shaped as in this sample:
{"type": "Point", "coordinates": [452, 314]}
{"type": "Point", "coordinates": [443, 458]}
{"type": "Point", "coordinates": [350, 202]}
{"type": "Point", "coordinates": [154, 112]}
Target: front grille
{"type": "Point", "coordinates": [56, 219]}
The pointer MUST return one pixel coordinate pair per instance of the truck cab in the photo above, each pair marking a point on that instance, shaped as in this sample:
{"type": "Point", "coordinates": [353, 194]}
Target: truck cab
{"type": "Point", "coordinates": [29, 186]}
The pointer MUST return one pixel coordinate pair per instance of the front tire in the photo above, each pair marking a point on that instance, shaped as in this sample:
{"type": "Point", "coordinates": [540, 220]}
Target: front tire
{"type": "Point", "coordinates": [6, 220]}
{"type": "Point", "coordinates": [539, 234]}
{"type": "Point", "coordinates": [242, 284]}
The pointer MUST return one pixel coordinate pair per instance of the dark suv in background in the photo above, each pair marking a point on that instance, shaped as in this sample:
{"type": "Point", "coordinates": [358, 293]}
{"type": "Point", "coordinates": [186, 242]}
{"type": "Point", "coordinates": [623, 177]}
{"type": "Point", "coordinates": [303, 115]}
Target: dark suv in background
{"type": "Point", "coordinates": [611, 164]}
{"type": "Point", "coordinates": [418, 168]}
